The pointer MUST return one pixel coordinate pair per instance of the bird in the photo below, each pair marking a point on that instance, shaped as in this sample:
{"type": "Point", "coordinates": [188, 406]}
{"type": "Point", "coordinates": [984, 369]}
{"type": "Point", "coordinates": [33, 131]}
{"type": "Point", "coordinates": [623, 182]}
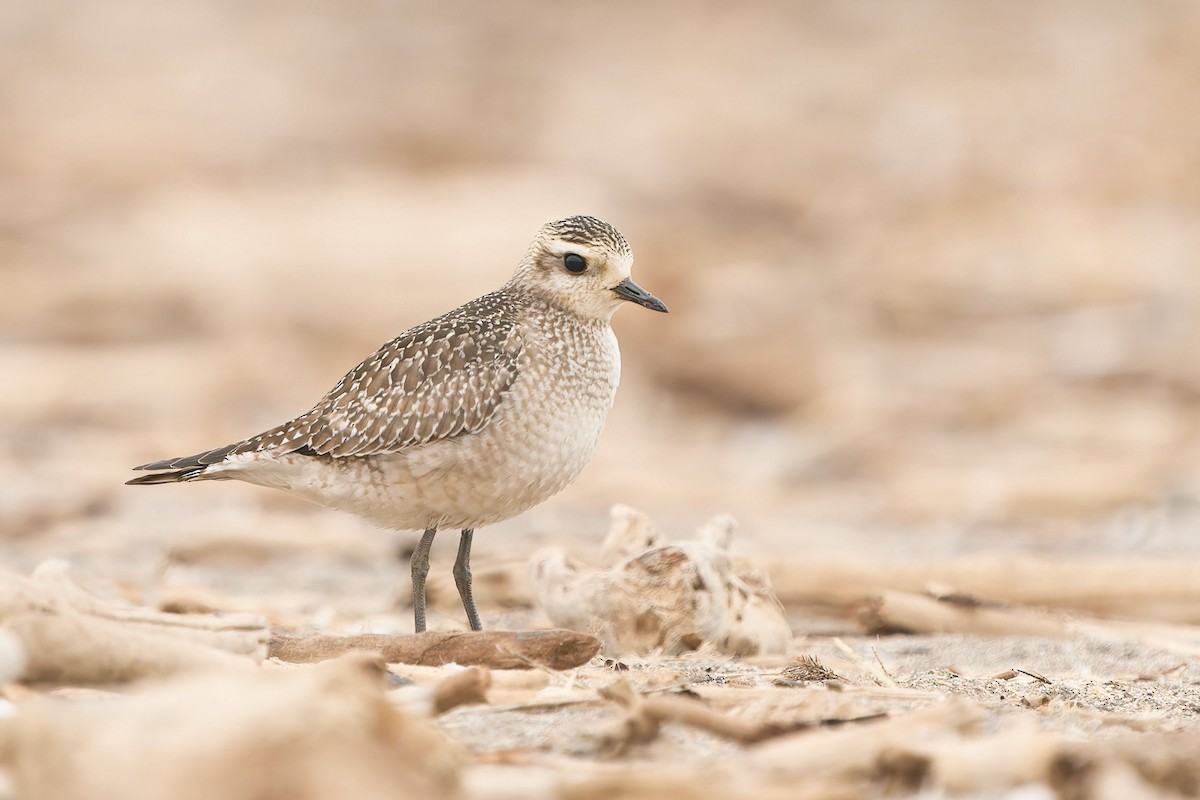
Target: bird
{"type": "Point", "coordinates": [463, 421]}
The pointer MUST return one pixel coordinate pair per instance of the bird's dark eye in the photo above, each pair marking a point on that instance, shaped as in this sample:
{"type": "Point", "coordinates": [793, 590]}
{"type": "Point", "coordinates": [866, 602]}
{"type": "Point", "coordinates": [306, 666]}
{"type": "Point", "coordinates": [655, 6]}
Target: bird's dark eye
{"type": "Point", "coordinates": [574, 263]}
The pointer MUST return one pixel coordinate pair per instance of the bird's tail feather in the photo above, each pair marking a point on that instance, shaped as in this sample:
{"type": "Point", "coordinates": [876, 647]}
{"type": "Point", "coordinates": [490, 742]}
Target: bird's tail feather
{"type": "Point", "coordinates": [189, 468]}
{"type": "Point", "coordinates": [175, 476]}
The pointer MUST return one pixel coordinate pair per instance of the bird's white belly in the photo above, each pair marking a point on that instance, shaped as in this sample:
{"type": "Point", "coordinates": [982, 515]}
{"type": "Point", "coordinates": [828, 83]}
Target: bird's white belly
{"type": "Point", "coordinates": [503, 471]}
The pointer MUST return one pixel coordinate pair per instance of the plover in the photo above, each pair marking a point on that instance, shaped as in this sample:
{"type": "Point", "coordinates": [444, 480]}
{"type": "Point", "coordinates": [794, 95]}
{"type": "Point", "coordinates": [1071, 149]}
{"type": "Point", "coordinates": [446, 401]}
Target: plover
{"type": "Point", "coordinates": [465, 420]}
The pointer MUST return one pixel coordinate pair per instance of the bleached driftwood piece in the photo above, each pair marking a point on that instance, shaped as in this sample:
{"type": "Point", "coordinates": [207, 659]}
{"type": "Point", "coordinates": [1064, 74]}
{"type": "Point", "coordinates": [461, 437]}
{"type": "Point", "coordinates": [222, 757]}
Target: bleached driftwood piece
{"type": "Point", "coordinates": [670, 595]}
{"type": "Point", "coordinates": [466, 687]}
{"type": "Point", "coordinates": [1161, 589]}
{"type": "Point", "coordinates": [855, 750]}
{"type": "Point", "coordinates": [1165, 761]}
{"type": "Point", "coordinates": [904, 612]}
{"type": "Point", "coordinates": [317, 733]}
{"type": "Point", "coordinates": [58, 633]}
{"type": "Point", "coordinates": [555, 649]}
{"type": "Point", "coordinates": [645, 715]}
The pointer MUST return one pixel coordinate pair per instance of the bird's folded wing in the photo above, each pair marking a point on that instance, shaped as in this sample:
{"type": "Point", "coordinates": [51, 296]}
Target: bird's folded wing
{"type": "Point", "coordinates": [437, 381]}
{"type": "Point", "coordinates": [414, 390]}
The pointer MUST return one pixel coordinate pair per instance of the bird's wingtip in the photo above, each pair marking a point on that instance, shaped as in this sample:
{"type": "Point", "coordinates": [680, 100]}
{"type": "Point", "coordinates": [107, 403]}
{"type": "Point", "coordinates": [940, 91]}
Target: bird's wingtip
{"type": "Point", "coordinates": [175, 476]}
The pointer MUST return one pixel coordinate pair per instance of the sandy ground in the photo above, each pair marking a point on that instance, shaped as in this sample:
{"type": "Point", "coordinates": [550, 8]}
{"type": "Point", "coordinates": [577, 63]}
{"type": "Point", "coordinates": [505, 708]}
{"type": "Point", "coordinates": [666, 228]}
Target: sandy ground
{"type": "Point", "coordinates": [932, 271]}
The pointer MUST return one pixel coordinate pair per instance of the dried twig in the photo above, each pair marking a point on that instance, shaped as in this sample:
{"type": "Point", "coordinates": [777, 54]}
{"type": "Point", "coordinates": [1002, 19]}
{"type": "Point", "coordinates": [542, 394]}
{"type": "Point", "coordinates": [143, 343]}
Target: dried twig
{"type": "Point", "coordinates": [878, 674]}
{"type": "Point", "coordinates": [887, 676]}
{"type": "Point", "coordinates": [1034, 675]}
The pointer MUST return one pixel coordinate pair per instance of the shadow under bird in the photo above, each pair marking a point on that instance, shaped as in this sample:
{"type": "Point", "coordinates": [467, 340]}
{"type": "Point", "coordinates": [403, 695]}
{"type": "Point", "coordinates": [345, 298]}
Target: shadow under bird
{"type": "Point", "coordinates": [466, 420]}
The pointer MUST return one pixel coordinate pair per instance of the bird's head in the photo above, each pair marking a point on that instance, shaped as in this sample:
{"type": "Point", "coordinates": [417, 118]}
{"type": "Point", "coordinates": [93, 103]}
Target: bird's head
{"type": "Point", "coordinates": [582, 264]}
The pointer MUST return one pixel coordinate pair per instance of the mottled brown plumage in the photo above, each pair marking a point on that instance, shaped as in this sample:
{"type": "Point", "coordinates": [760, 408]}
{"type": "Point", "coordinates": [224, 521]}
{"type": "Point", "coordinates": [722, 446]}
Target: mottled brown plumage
{"type": "Point", "coordinates": [465, 420]}
{"type": "Point", "coordinates": [439, 380]}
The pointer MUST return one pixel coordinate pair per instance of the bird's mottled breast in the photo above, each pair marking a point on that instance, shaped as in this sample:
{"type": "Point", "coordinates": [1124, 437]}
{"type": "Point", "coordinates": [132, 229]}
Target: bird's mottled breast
{"type": "Point", "coordinates": [544, 431]}
{"type": "Point", "coordinates": [549, 424]}
{"type": "Point", "coordinates": [566, 382]}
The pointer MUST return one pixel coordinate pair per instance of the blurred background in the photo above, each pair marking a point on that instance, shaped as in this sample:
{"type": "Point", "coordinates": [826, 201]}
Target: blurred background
{"type": "Point", "coordinates": [932, 266]}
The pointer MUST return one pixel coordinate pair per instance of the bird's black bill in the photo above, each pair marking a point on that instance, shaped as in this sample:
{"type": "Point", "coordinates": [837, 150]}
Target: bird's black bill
{"type": "Point", "coordinates": [628, 290]}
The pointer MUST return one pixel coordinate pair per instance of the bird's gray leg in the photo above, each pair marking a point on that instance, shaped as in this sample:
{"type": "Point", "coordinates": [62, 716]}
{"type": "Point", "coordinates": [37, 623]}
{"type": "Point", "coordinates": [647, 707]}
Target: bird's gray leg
{"type": "Point", "coordinates": [462, 579]}
{"type": "Point", "coordinates": [420, 568]}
